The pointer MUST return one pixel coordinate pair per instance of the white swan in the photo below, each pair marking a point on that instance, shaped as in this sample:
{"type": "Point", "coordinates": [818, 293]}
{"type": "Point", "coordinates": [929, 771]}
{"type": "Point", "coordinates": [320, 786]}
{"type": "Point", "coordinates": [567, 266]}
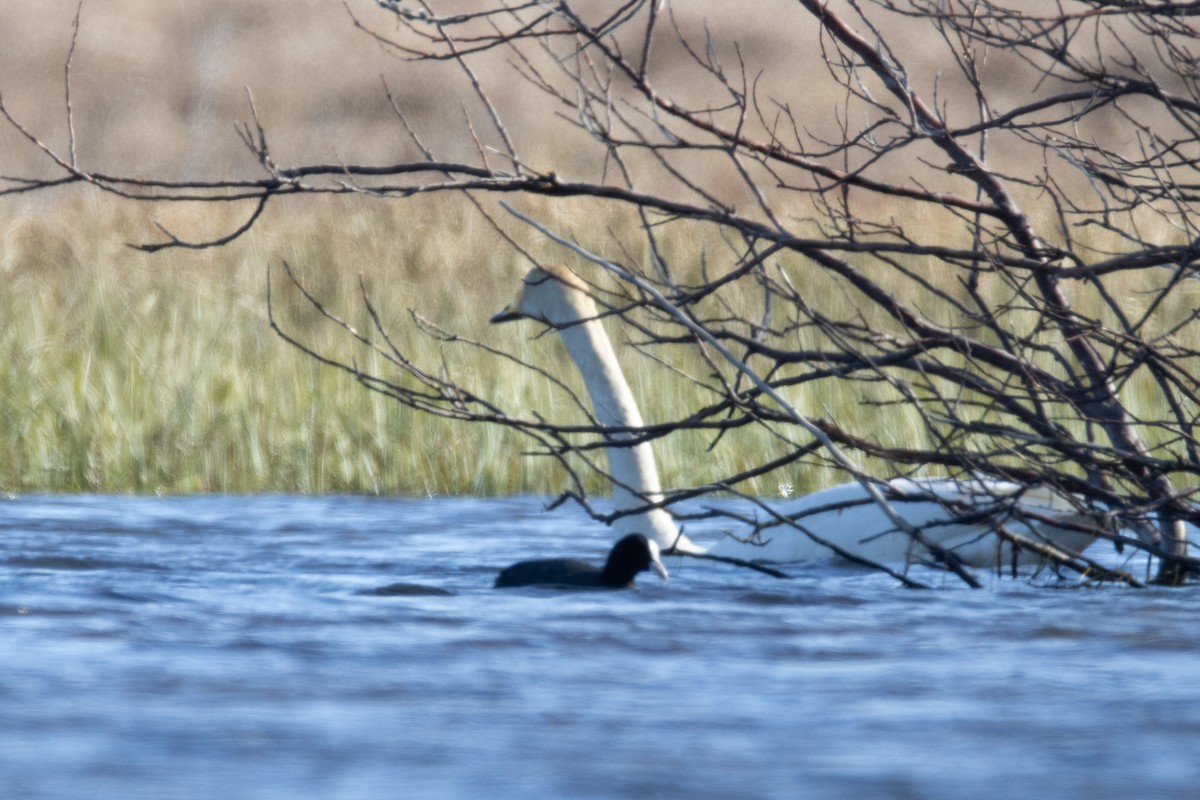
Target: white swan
{"type": "Point", "coordinates": [843, 516]}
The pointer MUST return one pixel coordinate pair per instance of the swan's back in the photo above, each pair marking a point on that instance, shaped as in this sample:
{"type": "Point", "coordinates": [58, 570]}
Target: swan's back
{"type": "Point", "coordinates": [960, 516]}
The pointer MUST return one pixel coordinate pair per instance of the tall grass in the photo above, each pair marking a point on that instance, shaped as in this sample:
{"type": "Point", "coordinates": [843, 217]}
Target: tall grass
{"type": "Point", "coordinates": [131, 372]}
{"type": "Point", "coordinates": [128, 372]}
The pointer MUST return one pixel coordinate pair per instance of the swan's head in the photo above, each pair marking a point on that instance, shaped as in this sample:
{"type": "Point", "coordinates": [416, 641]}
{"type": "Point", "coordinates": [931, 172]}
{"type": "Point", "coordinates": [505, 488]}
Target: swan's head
{"type": "Point", "coordinates": [554, 295]}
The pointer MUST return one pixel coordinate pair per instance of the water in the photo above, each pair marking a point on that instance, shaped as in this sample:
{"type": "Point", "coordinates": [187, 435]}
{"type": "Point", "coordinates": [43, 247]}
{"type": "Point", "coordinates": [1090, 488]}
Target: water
{"type": "Point", "coordinates": [217, 647]}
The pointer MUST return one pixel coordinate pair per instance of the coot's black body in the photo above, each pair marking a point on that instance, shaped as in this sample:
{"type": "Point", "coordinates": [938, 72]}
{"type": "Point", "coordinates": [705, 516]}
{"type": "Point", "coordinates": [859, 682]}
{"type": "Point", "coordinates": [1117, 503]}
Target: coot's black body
{"type": "Point", "coordinates": [628, 557]}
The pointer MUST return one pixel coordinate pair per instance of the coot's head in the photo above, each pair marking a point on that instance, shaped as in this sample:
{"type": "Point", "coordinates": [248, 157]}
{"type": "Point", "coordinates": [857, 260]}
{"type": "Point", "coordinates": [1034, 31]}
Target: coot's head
{"type": "Point", "coordinates": [628, 557]}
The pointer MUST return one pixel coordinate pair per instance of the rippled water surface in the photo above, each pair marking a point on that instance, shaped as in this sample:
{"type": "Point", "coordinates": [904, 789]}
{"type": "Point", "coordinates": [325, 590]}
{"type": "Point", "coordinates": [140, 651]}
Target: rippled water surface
{"type": "Point", "coordinates": [220, 647]}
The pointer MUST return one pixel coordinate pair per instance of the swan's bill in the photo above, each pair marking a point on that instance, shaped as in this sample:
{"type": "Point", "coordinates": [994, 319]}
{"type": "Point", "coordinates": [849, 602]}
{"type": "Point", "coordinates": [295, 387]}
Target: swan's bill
{"type": "Point", "coordinates": [506, 314]}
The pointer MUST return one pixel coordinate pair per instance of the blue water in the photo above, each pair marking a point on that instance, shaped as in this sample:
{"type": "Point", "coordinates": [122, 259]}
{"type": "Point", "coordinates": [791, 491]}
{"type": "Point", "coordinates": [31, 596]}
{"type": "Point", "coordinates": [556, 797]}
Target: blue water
{"type": "Point", "coordinates": [218, 647]}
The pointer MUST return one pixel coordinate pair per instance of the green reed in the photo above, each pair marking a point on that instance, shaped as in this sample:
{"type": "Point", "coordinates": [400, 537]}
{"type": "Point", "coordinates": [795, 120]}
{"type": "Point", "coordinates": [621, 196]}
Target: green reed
{"type": "Point", "coordinates": [135, 372]}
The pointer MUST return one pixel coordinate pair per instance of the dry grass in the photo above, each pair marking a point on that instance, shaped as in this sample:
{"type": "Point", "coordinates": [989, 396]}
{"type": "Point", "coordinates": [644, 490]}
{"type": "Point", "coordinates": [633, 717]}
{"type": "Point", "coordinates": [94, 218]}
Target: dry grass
{"type": "Point", "coordinates": [129, 372]}
{"type": "Point", "coordinates": [134, 372]}
{"type": "Point", "coordinates": [158, 87]}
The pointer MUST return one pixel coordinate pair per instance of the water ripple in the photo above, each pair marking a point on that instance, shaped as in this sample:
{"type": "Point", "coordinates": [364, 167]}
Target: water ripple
{"type": "Point", "coordinates": [284, 647]}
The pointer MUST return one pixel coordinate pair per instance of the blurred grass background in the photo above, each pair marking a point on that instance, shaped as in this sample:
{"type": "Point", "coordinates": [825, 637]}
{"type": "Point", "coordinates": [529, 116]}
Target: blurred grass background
{"type": "Point", "coordinates": [125, 371]}
{"type": "Point", "coordinates": [133, 372]}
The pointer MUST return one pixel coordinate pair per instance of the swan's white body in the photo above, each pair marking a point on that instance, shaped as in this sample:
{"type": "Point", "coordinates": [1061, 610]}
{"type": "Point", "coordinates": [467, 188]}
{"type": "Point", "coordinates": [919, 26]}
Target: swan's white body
{"type": "Point", "coordinates": [843, 516]}
{"type": "Point", "coordinates": [959, 516]}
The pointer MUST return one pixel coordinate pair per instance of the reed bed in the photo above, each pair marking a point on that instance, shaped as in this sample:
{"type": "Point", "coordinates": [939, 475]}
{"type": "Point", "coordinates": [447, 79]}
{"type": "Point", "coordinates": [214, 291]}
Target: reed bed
{"type": "Point", "coordinates": [134, 372]}
{"type": "Point", "coordinates": [129, 372]}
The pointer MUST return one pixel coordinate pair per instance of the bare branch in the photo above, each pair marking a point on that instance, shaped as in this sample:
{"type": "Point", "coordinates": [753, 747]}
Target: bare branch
{"type": "Point", "coordinates": [960, 241]}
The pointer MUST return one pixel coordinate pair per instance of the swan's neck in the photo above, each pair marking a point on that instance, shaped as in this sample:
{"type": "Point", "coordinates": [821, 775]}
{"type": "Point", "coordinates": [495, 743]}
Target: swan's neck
{"type": "Point", "coordinates": [634, 471]}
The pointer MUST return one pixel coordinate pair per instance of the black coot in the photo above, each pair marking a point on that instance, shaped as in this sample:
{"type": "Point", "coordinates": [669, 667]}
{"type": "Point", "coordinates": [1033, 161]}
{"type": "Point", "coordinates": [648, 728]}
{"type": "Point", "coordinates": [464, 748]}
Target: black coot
{"type": "Point", "coordinates": [628, 557]}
